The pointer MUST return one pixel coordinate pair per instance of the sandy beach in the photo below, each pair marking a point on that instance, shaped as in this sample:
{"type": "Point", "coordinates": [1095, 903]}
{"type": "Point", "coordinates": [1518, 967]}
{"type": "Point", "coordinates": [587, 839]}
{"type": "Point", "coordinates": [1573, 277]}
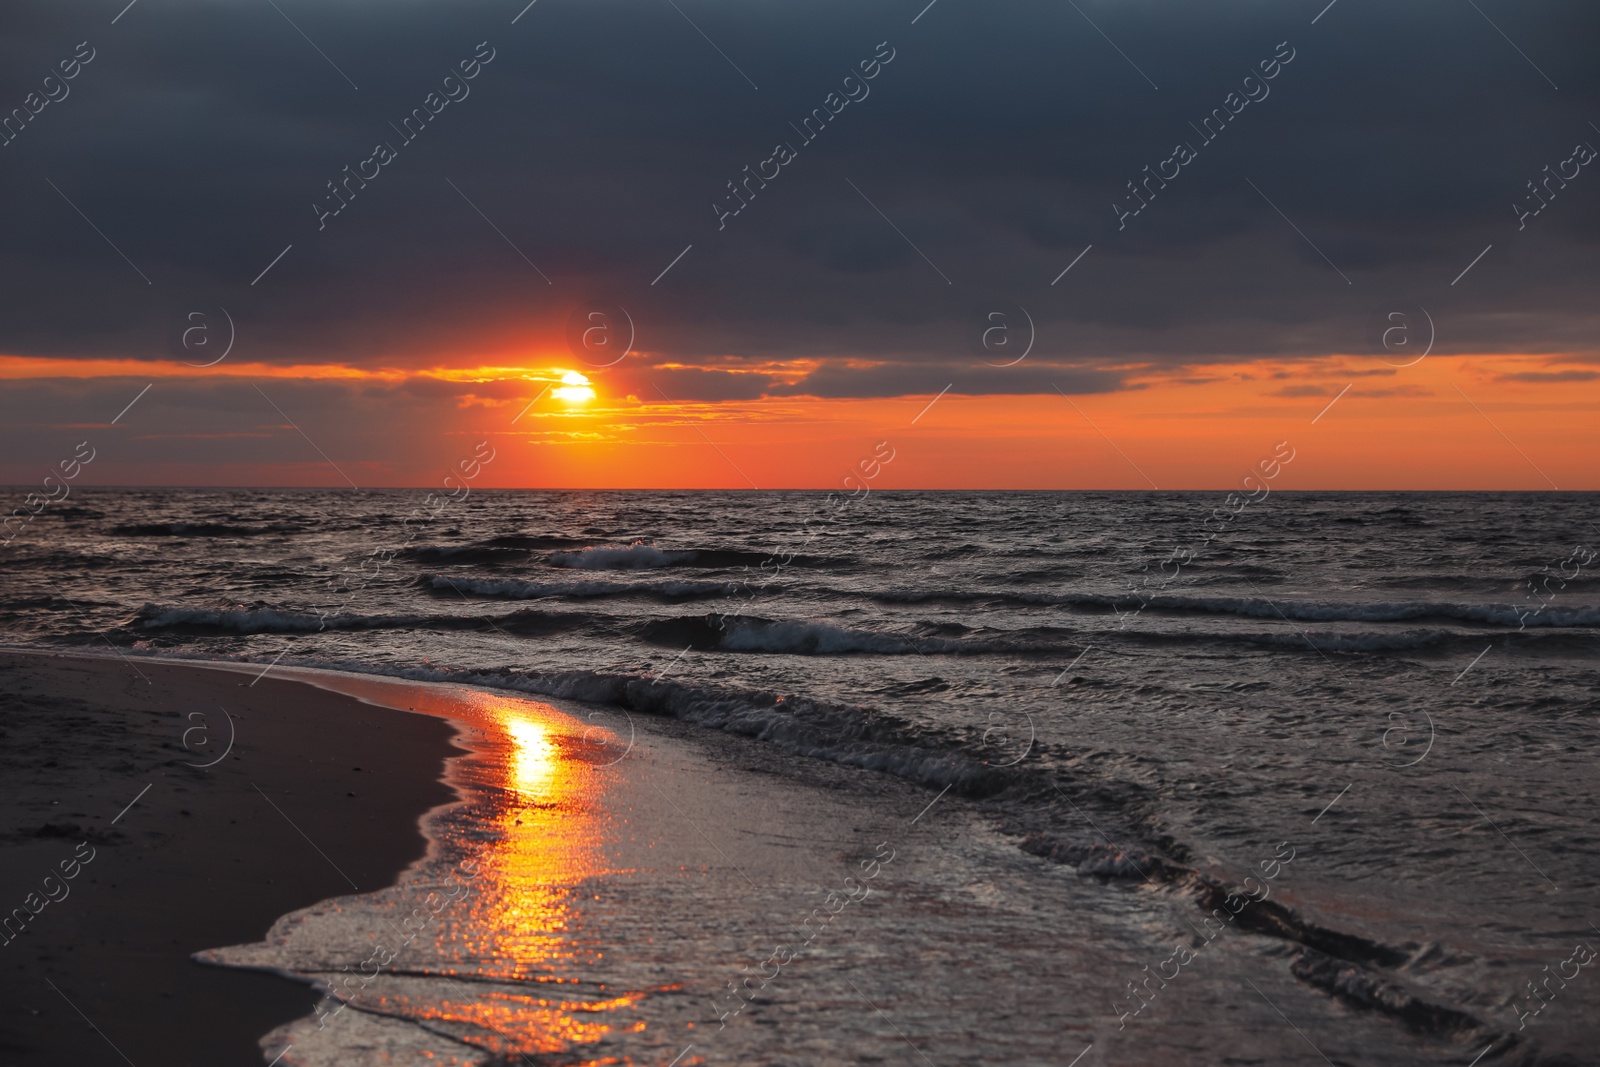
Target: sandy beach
{"type": "Point", "coordinates": [622, 871]}
{"type": "Point", "coordinates": [202, 859]}
{"type": "Point", "coordinates": [642, 887]}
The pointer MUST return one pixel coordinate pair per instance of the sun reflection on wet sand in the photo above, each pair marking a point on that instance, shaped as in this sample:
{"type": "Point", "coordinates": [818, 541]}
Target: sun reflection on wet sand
{"type": "Point", "coordinates": [534, 757]}
{"type": "Point", "coordinates": [507, 956]}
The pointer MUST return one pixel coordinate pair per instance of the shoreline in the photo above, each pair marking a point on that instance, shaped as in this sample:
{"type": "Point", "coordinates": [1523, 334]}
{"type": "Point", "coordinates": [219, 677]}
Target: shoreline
{"type": "Point", "coordinates": [598, 876]}
{"type": "Point", "coordinates": [185, 857]}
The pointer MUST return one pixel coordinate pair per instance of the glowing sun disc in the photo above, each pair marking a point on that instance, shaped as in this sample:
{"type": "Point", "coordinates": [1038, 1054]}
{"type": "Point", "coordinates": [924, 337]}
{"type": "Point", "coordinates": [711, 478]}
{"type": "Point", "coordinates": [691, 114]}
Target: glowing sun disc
{"type": "Point", "coordinates": [574, 388]}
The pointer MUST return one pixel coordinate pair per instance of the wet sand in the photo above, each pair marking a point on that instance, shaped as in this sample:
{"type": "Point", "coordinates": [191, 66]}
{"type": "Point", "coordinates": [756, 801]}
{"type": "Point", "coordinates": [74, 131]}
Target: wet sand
{"type": "Point", "coordinates": [202, 859]}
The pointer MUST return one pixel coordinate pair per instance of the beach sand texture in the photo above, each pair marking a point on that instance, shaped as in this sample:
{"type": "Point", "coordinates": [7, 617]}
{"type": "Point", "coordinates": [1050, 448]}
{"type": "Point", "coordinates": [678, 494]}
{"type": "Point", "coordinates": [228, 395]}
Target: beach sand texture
{"type": "Point", "coordinates": [201, 859]}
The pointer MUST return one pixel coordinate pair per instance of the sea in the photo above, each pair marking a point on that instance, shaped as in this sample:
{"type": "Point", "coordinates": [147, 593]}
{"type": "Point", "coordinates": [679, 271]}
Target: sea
{"type": "Point", "coordinates": [1356, 733]}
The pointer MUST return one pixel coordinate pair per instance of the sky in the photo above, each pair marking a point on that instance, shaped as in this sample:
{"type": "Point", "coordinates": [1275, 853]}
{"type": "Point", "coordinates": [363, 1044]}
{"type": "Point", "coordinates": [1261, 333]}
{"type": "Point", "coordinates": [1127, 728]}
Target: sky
{"type": "Point", "coordinates": [704, 244]}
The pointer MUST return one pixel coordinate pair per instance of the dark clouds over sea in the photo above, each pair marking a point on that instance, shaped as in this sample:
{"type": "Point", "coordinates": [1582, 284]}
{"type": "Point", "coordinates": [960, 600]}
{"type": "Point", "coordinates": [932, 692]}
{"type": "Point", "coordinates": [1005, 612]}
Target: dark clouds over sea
{"type": "Point", "coordinates": [600, 136]}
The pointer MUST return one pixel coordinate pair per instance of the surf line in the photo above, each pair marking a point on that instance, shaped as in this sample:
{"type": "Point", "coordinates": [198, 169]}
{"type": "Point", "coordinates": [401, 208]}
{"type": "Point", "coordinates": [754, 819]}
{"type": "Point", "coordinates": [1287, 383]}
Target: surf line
{"type": "Point", "coordinates": [785, 153]}
{"type": "Point", "coordinates": [1232, 905]}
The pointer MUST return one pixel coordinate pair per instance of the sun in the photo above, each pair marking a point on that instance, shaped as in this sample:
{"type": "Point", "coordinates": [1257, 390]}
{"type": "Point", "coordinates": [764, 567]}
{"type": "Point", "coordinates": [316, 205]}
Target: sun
{"type": "Point", "coordinates": [574, 390]}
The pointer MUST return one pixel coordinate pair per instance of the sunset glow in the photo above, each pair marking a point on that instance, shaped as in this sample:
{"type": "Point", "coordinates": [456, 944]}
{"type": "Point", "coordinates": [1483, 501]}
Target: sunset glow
{"type": "Point", "coordinates": [574, 389]}
{"type": "Point", "coordinates": [1008, 317]}
{"type": "Point", "coordinates": [632, 534]}
{"type": "Point", "coordinates": [1441, 423]}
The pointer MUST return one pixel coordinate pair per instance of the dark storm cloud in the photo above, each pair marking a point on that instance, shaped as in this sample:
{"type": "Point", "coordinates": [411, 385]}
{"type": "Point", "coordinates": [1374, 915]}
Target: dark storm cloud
{"type": "Point", "coordinates": [185, 430]}
{"type": "Point", "coordinates": [901, 379]}
{"type": "Point", "coordinates": [656, 384]}
{"type": "Point", "coordinates": [836, 380]}
{"type": "Point", "coordinates": [598, 142]}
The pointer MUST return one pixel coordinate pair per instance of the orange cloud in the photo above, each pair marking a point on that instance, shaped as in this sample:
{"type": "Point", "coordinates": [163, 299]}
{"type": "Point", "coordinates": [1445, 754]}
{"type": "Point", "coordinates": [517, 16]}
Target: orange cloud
{"type": "Point", "coordinates": [1449, 422]}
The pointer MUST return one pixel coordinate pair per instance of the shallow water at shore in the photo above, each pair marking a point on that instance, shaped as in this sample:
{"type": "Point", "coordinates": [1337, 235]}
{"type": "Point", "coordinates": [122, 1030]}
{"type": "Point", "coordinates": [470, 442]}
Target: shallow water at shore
{"type": "Point", "coordinates": [608, 895]}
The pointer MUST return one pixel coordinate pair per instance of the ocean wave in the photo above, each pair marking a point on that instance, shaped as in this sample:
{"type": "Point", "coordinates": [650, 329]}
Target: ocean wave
{"type": "Point", "coordinates": [642, 556]}
{"type": "Point", "coordinates": [532, 541]}
{"type": "Point", "coordinates": [807, 637]}
{"type": "Point", "coordinates": [1260, 608]}
{"type": "Point", "coordinates": [464, 554]}
{"type": "Point", "coordinates": [1381, 611]}
{"type": "Point", "coordinates": [1336, 641]}
{"type": "Point", "coordinates": [516, 589]}
{"type": "Point", "coordinates": [261, 620]}
{"type": "Point", "coordinates": [50, 558]}
{"type": "Point", "coordinates": [710, 632]}
{"type": "Point", "coordinates": [197, 529]}
{"type": "Point", "coordinates": [822, 638]}
{"type": "Point", "coordinates": [1548, 642]}
{"type": "Point", "coordinates": [966, 597]}
{"type": "Point", "coordinates": [212, 621]}
{"type": "Point", "coordinates": [755, 635]}
{"type": "Point", "coordinates": [21, 604]}
{"type": "Point", "coordinates": [634, 557]}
